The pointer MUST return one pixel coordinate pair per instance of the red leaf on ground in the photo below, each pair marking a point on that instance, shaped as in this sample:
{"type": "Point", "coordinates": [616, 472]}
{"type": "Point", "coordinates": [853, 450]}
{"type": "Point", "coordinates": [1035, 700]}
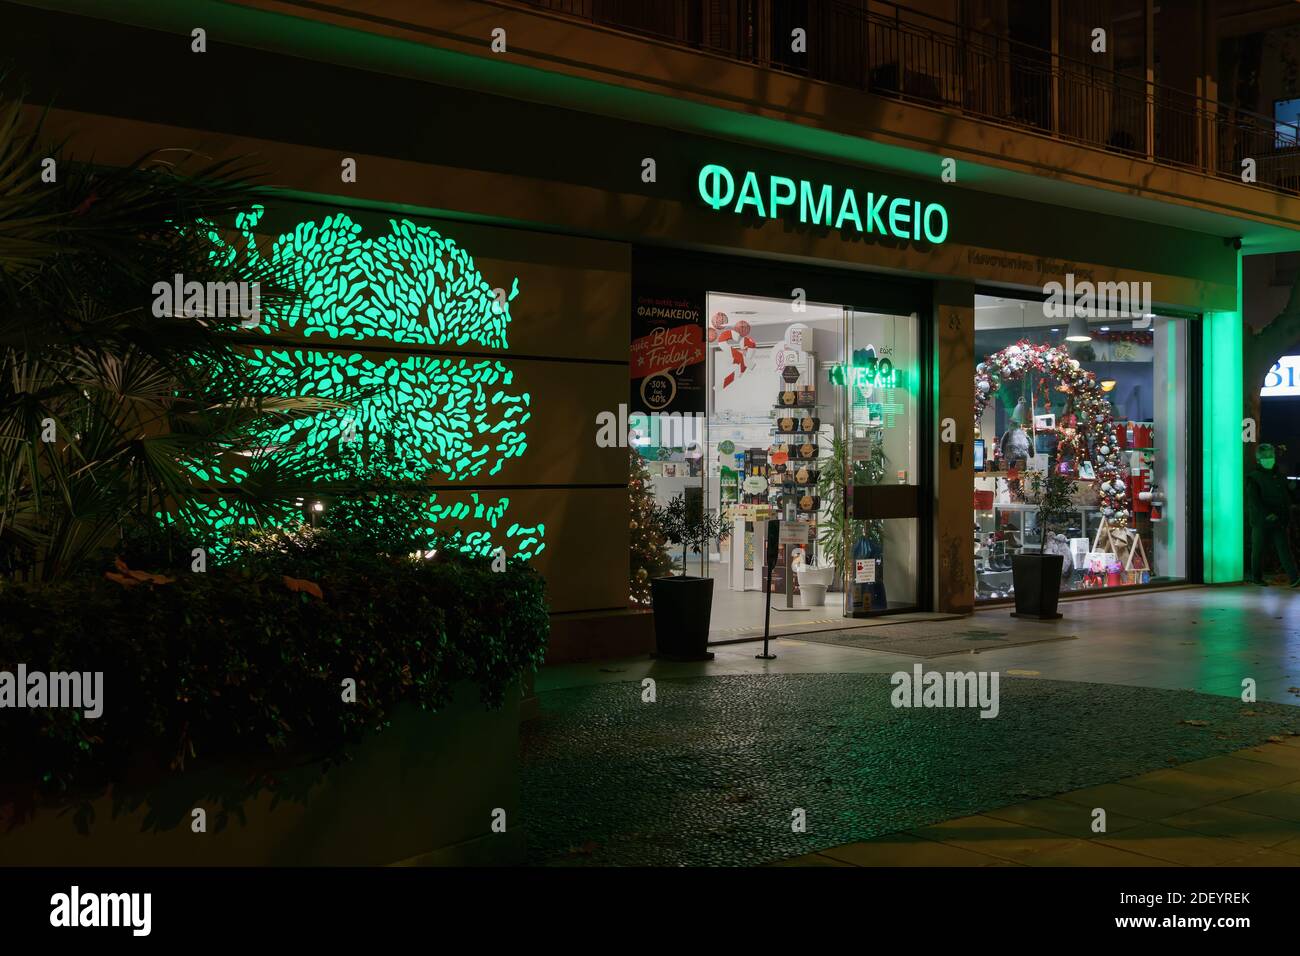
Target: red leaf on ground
{"type": "Point", "coordinates": [299, 584]}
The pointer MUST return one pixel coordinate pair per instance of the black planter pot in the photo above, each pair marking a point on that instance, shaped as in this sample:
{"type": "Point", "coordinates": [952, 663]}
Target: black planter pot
{"type": "Point", "coordinates": [1037, 580]}
{"type": "Point", "coordinates": [682, 608]}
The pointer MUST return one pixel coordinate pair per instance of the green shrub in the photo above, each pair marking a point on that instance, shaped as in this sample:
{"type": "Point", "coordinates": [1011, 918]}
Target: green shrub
{"type": "Point", "coordinates": [244, 664]}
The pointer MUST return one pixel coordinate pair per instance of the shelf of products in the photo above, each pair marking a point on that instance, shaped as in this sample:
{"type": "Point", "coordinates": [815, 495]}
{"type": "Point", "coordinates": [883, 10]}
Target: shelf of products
{"type": "Point", "coordinates": [778, 482]}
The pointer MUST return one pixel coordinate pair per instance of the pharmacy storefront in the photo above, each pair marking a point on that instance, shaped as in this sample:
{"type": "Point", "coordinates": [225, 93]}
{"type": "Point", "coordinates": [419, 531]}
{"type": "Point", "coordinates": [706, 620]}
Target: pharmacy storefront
{"type": "Point", "coordinates": [853, 340]}
{"type": "Point", "coordinates": [897, 426]}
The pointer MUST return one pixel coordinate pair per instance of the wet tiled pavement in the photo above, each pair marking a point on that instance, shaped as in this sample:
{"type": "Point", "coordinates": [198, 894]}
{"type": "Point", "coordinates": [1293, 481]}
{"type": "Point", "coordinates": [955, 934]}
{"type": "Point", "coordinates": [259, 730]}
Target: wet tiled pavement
{"type": "Point", "coordinates": [712, 771]}
{"type": "Point", "coordinates": [1205, 639]}
{"type": "Point", "coordinates": [1238, 810]}
{"type": "Point", "coordinates": [715, 770]}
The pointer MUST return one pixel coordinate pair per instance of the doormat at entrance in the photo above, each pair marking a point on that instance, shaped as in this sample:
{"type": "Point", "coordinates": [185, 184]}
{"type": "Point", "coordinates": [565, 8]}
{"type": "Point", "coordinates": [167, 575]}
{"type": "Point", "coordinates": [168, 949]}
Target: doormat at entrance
{"type": "Point", "coordinates": [935, 639]}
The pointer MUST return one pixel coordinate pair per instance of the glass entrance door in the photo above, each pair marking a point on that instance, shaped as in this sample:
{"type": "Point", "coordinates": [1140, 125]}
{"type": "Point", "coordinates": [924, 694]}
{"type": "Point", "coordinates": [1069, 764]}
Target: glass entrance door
{"type": "Point", "coordinates": [878, 453]}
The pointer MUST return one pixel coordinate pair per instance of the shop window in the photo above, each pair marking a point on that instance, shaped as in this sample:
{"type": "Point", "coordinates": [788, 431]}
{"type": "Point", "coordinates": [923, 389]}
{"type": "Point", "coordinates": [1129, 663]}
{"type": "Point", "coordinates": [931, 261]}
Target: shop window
{"type": "Point", "coordinates": [1103, 401]}
{"type": "Point", "coordinates": [803, 411]}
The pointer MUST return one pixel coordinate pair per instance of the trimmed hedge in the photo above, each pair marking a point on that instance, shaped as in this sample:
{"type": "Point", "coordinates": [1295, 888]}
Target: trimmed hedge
{"type": "Point", "coordinates": [245, 664]}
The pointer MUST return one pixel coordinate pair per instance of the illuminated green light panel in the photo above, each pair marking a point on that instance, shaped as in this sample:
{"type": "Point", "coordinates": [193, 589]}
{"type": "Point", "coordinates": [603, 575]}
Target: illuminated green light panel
{"type": "Point", "coordinates": [1223, 491]}
{"type": "Point", "coordinates": [461, 418]}
{"type": "Point", "coordinates": [864, 376]}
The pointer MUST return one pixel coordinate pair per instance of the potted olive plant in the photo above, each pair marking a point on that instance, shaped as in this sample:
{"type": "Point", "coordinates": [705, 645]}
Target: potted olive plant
{"type": "Point", "coordinates": [683, 603]}
{"type": "Point", "coordinates": [1037, 577]}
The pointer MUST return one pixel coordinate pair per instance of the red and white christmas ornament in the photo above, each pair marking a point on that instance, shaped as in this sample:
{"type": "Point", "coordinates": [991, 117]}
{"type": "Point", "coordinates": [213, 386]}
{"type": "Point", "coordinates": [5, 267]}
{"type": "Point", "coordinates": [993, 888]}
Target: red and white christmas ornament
{"type": "Point", "coordinates": [734, 337]}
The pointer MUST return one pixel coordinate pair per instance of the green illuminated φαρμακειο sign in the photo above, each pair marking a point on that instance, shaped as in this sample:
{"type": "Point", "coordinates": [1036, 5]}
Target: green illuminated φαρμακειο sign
{"type": "Point", "coordinates": [821, 204]}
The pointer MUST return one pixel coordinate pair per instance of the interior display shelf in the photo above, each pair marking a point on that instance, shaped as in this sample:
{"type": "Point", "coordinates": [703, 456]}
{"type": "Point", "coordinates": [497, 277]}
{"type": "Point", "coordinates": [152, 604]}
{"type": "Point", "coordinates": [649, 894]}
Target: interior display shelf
{"type": "Point", "coordinates": [1030, 506]}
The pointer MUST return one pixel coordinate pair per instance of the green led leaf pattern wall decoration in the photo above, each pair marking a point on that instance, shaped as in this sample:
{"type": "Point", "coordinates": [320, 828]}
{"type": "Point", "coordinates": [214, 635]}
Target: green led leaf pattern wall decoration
{"type": "Point", "coordinates": [460, 414]}
{"type": "Point", "coordinates": [412, 286]}
{"type": "Point", "coordinates": [453, 419]}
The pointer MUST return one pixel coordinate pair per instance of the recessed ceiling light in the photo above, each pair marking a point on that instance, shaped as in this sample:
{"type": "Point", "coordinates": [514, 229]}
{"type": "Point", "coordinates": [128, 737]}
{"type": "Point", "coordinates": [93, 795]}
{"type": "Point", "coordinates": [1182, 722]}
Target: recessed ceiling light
{"type": "Point", "coordinates": [1056, 330]}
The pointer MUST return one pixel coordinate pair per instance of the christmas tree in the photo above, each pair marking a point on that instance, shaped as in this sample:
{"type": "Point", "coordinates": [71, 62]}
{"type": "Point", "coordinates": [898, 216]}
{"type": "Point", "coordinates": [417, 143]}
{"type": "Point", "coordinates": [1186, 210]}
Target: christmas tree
{"type": "Point", "coordinates": [649, 553]}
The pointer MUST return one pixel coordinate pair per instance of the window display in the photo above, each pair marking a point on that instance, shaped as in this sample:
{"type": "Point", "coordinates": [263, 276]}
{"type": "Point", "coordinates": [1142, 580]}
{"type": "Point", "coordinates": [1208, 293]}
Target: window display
{"type": "Point", "coordinates": [769, 424]}
{"type": "Point", "coordinates": [787, 419]}
{"type": "Point", "coordinates": [1102, 402]}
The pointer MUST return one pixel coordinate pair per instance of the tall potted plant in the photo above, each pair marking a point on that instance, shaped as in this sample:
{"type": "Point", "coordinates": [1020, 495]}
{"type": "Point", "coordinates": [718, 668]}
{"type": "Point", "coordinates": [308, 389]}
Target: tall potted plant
{"type": "Point", "coordinates": [836, 529]}
{"type": "Point", "coordinates": [841, 537]}
{"type": "Point", "coordinates": [1037, 577]}
{"type": "Point", "coordinates": [683, 603]}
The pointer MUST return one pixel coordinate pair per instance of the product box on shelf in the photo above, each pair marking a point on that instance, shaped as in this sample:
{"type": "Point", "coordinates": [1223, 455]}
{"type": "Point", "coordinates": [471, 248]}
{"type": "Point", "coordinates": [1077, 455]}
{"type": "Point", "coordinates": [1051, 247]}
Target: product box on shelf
{"type": "Point", "coordinates": [801, 396]}
{"type": "Point", "coordinates": [799, 451]}
{"type": "Point", "coordinates": [808, 503]}
{"type": "Point", "coordinates": [796, 475]}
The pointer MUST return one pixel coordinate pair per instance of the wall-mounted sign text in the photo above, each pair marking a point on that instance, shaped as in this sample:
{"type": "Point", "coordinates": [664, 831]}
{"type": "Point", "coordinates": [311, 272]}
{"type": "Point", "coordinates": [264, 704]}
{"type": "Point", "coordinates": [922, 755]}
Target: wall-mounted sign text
{"type": "Point", "coordinates": [818, 204]}
{"type": "Point", "coordinates": [1283, 379]}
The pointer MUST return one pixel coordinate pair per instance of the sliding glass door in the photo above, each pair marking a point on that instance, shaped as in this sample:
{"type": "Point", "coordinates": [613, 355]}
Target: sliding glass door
{"type": "Point", "coordinates": [878, 454]}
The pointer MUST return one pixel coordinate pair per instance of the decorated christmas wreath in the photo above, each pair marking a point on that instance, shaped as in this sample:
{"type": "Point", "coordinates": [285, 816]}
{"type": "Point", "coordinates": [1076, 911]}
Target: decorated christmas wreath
{"type": "Point", "coordinates": [1091, 408]}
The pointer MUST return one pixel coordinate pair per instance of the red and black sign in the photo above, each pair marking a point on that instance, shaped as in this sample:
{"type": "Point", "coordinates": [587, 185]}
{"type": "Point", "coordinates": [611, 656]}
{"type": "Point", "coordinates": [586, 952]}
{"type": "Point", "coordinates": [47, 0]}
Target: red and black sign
{"type": "Point", "coordinates": [668, 351]}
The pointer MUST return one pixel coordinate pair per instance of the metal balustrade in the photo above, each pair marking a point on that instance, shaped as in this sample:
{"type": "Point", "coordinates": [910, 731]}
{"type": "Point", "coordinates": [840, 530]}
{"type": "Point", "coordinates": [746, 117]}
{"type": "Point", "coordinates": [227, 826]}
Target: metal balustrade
{"type": "Point", "coordinates": [909, 55]}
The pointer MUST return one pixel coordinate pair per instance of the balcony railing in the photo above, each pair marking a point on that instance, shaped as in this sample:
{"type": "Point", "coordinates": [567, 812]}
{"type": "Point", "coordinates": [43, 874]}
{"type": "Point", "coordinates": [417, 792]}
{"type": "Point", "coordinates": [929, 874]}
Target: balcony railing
{"type": "Point", "coordinates": [912, 56]}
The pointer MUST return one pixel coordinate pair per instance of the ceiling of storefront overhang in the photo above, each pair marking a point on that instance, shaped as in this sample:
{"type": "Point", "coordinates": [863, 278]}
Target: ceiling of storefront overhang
{"type": "Point", "coordinates": [286, 29]}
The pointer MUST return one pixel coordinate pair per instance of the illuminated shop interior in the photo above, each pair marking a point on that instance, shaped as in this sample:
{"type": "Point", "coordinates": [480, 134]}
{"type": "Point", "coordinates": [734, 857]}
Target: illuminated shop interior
{"type": "Point", "coordinates": [1044, 390]}
{"type": "Point", "coordinates": [787, 421]}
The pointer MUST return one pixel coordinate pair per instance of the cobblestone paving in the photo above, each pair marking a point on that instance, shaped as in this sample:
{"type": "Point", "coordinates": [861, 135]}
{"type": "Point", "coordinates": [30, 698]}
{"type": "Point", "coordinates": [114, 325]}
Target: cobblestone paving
{"type": "Point", "coordinates": [710, 773]}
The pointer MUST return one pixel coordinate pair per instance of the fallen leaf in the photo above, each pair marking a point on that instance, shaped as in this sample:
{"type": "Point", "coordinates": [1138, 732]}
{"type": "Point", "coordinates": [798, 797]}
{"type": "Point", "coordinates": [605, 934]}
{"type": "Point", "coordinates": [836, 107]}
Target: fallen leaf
{"type": "Point", "coordinates": [1195, 723]}
{"type": "Point", "coordinates": [299, 584]}
{"type": "Point", "coordinates": [151, 578]}
{"type": "Point", "coordinates": [121, 579]}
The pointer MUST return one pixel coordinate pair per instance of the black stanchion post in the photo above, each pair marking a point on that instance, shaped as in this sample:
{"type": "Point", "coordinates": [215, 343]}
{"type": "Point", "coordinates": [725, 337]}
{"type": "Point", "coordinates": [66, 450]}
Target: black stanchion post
{"type": "Point", "coordinates": [773, 532]}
